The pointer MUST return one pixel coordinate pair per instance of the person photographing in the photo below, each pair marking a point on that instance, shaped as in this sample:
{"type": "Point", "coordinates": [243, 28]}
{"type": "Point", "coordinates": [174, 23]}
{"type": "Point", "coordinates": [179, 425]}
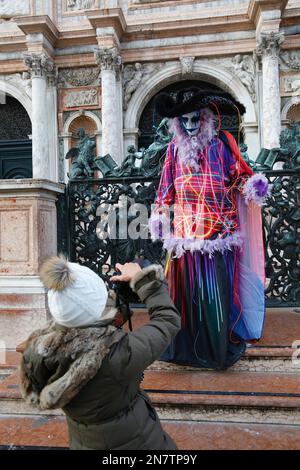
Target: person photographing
{"type": "Point", "coordinates": [82, 362]}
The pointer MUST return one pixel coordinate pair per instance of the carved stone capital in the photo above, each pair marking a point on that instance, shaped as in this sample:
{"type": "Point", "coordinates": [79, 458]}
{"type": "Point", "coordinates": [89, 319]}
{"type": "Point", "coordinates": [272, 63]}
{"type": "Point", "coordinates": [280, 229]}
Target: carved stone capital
{"type": "Point", "coordinates": [109, 59]}
{"type": "Point", "coordinates": [269, 44]}
{"type": "Point", "coordinates": [39, 65]}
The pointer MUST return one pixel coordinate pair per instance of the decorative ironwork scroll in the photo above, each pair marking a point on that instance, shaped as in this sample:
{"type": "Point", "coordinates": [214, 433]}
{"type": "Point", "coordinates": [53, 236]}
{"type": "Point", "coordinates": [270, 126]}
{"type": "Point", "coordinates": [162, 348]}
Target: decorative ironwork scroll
{"type": "Point", "coordinates": [281, 219]}
{"type": "Point", "coordinates": [93, 205]}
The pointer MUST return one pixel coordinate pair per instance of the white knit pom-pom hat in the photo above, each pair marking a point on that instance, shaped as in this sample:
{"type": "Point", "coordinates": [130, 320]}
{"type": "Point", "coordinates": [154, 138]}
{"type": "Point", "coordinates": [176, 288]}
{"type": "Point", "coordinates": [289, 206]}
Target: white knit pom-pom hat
{"type": "Point", "coordinates": [76, 295]}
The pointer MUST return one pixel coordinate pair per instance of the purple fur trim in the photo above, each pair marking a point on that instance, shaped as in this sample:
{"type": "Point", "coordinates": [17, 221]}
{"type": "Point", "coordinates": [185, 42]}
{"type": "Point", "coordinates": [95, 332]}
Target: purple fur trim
{"type": "Point", "coordinates": [180, 245]}
{"type": "Point", "coordinates": [261, 187]}
{"type": "Point", "coordinates": [190, 148]}
{"type": "Point", "coordinates": [159, 226]}
{"type": "Point", "coordinates": [256, 189]}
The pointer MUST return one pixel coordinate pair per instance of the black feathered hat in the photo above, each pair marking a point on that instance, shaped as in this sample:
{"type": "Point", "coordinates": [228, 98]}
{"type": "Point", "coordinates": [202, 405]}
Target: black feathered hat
{"type": "Point", "coordinates": [193, 99]}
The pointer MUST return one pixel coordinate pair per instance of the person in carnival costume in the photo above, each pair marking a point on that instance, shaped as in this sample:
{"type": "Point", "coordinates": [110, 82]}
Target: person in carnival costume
{"type": "Point", "coordinates": [207, 211]}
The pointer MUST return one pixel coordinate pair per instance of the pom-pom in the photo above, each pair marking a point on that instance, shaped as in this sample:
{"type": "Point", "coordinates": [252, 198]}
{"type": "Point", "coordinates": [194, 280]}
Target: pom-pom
{"type": "Point", "coordinates": [261, 186]}
{"type": "Point", "coordinates": [256, 189]}
{"type": "Point", "coordinates": [55, 273]}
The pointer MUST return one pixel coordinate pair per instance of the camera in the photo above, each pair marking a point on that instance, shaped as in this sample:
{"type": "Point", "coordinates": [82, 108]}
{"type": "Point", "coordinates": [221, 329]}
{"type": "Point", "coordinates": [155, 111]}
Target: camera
{"type": "Point", "coordinates": [126, 296]}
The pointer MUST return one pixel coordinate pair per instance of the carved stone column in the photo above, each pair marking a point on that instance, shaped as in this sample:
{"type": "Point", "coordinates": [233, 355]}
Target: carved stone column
{"type": "Point", "coordinates": [40, 66]}
{"type": "Point", "coordinates": [53, 125]}
{"type": "Point", "coordinates": [268, 51]}
{"type": "Point", "coordinates": [110, 62]}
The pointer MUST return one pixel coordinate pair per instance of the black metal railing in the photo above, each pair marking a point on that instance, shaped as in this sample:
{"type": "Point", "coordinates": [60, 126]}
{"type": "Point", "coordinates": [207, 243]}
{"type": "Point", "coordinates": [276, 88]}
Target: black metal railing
{"type": "Point", "coordinates": [88, 204]}
{"type": "Point", "coordinates": [281, 222]}
{"type": "Point", "coordinates": [93, 205]}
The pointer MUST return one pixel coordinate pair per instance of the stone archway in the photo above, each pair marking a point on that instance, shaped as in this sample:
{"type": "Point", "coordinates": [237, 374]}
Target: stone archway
{"type": "Point", "coordinates": [15, 132]}
{"type": "Point", "coordinates": [207, 72]}
{"type": "Point", "coordinates": [18, 93]}
{"type": "Point", "coordinates": [92, 125]}
{"type": "Point", "coordinates": [290, 105]}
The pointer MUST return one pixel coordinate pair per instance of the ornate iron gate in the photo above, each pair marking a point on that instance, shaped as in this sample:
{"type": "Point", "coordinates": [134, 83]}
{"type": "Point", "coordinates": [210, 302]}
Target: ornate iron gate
{"type": "Point", "coordinates": [90, 204]}
{"type": "Point", "coordinates": [81, 238]}
{"type": "Point", "coordinates": [281, 219]}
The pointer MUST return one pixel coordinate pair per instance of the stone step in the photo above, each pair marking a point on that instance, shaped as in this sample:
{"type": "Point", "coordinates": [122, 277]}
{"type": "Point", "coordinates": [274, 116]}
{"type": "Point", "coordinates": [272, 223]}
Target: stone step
{"type": "Point", "coordinates": [256, 359]}
{"type": "Point", "coordinates": [224, 388]}
{"type": "Point", "coordinates": [253, 397]}
{"type": "Point", "coordinates": [273, 353]}
{"type": "Point", "coordinates": [204, 387]}
{"type": "Point", "coordinates": [44, 432]}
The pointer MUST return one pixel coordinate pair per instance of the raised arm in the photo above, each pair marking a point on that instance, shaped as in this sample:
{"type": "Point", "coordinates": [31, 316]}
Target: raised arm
{"type": "Point", "coordinates": [159, 223]}
{"type": "Point", "coordinates": [137, 350]}
{"type": "Point", "coordinates": [254, 187]}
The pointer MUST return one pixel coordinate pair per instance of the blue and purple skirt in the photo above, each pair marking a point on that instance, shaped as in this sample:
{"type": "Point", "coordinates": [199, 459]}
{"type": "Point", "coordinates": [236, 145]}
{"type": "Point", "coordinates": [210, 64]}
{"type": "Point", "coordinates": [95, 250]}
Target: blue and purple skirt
{"type": "Point", "coordinates": [203, 290]}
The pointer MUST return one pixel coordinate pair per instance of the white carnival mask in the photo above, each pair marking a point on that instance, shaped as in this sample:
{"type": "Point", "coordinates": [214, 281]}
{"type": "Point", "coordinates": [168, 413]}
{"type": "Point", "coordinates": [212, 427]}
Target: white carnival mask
{"type": "Point", "coordinates": [190, 122]}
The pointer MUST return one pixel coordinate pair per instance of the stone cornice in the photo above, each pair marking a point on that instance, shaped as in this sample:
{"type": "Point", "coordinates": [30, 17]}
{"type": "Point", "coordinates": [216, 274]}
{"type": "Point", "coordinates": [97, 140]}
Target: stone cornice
{"type": "Point", "coordinates": [135, 5]}
{"type": "Point", "coordinates": [189, 26]}
{"type": "Point", "coordinates": [110, 17]}
{"type": "Point", "coordinates": [291, 17]}
{"type": "Point", "coordinates": [218, 49]}
{"type": "Point", "coordinates": [135, 28]}
{"type": "Point", "coordinates": [21, 186]}
{"type": "Point", "coordinates": [198, 50]}
{"type": "Point", "coordinates": [256, 7]}
{"type": "Point", "coordinates": [38, 25]}
{"type": "Point", "coordinates": [15, 44]}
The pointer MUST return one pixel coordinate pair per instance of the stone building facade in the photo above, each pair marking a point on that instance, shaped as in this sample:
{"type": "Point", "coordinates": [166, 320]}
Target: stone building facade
{"type": "Point", "coordinates": [96, 64]}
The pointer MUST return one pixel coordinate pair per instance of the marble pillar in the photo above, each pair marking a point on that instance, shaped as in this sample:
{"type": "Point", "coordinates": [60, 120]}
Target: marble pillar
{"type": "Point", "coordinates": [40, 66]}
{"type": "Point", "coordinates": [251, 138]}
{"type": "Point", "coordinates": [53, 127]}
{"type": "Point", "coordinates": [110, 62]}
{"type": "Point", "coordinates": [268, 51]}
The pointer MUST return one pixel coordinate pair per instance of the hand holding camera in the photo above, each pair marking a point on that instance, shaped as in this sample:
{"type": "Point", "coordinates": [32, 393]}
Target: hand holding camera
{"type": "Point", "coordinates": [127, 272]}
{"type": "Point", "coordinates": [121, 284]}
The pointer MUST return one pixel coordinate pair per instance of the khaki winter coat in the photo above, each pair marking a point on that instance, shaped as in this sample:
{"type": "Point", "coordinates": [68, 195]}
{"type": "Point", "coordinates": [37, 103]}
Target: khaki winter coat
{"type": "Point", "coordinates": [94, 373]}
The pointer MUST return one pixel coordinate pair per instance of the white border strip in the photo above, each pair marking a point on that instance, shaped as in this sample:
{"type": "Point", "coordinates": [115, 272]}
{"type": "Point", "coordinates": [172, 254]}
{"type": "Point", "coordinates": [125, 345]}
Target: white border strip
{"type": "Point", "coordinates": [21, 285]}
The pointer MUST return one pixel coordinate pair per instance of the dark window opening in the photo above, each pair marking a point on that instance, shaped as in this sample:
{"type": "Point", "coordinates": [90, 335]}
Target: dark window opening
{"type": "Point", "coordinates": [150, 119]}
{"type": "Point", "coordinates": [15, 141]}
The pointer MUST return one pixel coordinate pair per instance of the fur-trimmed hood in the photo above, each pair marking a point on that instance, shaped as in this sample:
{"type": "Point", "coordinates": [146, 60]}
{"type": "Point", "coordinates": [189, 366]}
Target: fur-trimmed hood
{"type": "Point", "coordinates": [58, 361]}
